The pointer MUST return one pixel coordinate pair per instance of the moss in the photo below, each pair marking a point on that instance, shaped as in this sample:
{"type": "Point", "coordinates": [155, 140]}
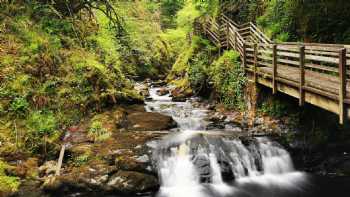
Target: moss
{"type": "Point", "coordinates": [8, 184]}
{"type": "Point", "coordinates": [229, 80]}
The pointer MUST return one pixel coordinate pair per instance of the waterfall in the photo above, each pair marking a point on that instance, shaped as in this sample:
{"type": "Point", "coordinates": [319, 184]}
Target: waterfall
{"type": "Point", "coordinates": [194, 165]}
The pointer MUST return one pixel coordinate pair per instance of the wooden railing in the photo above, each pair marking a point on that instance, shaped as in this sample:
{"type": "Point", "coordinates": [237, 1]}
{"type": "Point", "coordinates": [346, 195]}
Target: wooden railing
{"type": "Point", "coordinates": [319, 72]}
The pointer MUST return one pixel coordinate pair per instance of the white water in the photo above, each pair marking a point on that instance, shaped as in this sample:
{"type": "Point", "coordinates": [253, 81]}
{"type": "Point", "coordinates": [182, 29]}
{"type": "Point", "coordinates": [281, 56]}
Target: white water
{"type": "Point", "coordinates": [260, 162]}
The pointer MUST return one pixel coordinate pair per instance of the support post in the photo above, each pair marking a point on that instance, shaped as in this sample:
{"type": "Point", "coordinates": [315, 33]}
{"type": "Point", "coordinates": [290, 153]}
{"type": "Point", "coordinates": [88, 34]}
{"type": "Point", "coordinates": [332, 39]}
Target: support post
{"type": "Point", "coordinates": [274, 64]}
{"type": "Point", "coordinates": [302, 75]}
{"type": "Point", "coordinates": [255, 62]}
{"type": "Point", "coordinates": [342, 84]}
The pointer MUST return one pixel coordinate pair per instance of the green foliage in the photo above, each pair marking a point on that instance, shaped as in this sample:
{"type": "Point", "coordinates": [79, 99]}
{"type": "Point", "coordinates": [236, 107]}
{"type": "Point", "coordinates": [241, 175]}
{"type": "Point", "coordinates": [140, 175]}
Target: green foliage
{"type": "Point", "coordinates": [8, 184]}
{"type": "Point", "coordinates": [41, 123]}
{"type": "Point", "coordinates": [187, 15]}
{"type": "Point", "coordinates": [80, 160]}
{"type": "Point", "coordinates": [229, 80]}
{"type": "Point", "coordinates": [42, 131]}
{"type": "Point", "coordinates": [199, 63]}
{"type": "Point", "coordinates": [275, 108]}
{"type": "Point", "coordinates": [278, 20]}
{"type": "Point", "coordinates": [169, 9]}
{"type": "Point", "coordinates": [294, 20]}
{"type": "Point", "coordinates": [208, 7]}
{"type": "Point", "coordinates": [56, 67]}
{"type": "Point", "coordinates": [97, 132]}
{"type": "Point", "coordinates": [19, 106]}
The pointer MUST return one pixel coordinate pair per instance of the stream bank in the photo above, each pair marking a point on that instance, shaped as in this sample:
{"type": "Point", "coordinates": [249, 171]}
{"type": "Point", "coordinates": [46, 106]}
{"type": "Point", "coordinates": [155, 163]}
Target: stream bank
{"type": "Point", "coordinates": [125, 164]}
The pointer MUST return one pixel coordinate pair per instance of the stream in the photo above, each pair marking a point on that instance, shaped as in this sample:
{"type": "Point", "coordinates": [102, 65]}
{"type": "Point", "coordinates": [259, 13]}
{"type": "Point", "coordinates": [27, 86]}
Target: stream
{"type": "Point", "coordinates": [199, 161]}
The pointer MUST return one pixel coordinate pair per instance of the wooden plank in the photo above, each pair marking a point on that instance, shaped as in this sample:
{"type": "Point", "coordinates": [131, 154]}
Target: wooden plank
{"type": "Point", "coordinates": [293, 49]}
{"type": "Point", "coordinates": [266, 51]}
{"type": "Point", "coordinates": [327, 53]}
{"type": "Point", "coordinates": [318, 46]}
{"type": "Point", "coordinates": [302, 76]}
{"type": "Point", "coordinates": [274, 65]}
{"type": "Point", "coordinates": [289, 62]}
{"type": "Point", "coordinates": [342, 84]}
{"type": "Point", "coordinates": [322, 59]}
{"type": "Point", "coordinates": [322, 68]}
{"type": "Point", "coordinates": [295, 55]}
{"type": "Point", "coordinates": [266, 64]}
{"type": "Point", "coordinates": [264, 57]}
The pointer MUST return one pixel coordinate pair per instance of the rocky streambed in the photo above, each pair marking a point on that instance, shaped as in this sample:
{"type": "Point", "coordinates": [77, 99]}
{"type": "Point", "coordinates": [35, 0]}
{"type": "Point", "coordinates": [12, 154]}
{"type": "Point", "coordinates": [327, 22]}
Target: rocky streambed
{"type": "Point", "coordinates": [127, 163]}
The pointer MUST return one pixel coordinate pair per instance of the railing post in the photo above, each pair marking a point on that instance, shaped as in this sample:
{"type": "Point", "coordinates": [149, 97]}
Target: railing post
{"type": "Point", "coordinates": [274, 64]}
{"type": "Point", "coordinates": [235, 39]}
{"type": "Point", "coordinates": [227, 35]}
{"type": "Point", "coordinates": [255, 62]}
{"type": "Point", "coordinates": [342, 84]}
{"type": "Point", "coordinates": [244, 56]}
{"type": "Point", "coordinates": [302, 75]}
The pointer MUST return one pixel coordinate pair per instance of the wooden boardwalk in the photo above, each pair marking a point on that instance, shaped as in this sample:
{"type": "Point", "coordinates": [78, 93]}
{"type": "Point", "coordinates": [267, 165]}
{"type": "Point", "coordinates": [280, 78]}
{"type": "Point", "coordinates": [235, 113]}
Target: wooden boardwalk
{"type": "Point", "coordinates": [315, 73]}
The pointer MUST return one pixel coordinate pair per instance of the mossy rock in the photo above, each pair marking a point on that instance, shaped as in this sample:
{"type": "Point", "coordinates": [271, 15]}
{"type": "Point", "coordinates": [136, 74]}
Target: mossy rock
{"type": "Point", "coordinates": [132, 182]}
{"type": "Point", "coordinates": [149, 121]}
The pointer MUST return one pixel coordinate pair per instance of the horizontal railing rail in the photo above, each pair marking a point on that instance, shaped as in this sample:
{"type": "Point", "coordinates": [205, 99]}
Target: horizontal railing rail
{"type": "Point", "coordinates": [322, 69]}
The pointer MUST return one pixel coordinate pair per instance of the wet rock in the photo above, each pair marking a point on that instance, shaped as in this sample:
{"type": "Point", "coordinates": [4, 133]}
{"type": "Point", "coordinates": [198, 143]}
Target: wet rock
{"type": "Point", "coordinates": [210, 107]}
{"type": "Point", "coordinates": [132, 182]}
{"type": "Point", "coordinates": [158, 83]}
{"type": "Point", "coordinates": [217, 117]}
{"type": "Point", "coordinates": [142, 89]}
{"type": "Point", "coordinates": [162, 91]}
{"type": "Point", "coordinates": [179, 99]}
{"type": "Point", "coordinates": [259, 121]}
{"type": "Point", "coordinates": [149, 121]}
{"type": "Point", "coordinates": [180, 95]}
{"type": "Point", "coordinates": [226, 171]}
{"type": "Point", "coordinates": [133, 164]}
{"type": "Point", "coordinates": [233, 128]}
{"type": "Point", "coordinates": [215, 125]}
{"type": "Point", "coordinates": [202, 164]}
{"type": "Point", "coordinates": [143, 159]}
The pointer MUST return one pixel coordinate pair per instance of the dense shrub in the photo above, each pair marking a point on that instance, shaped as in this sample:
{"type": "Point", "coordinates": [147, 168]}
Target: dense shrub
{"type": "Point", "coordinates": [229, 80]}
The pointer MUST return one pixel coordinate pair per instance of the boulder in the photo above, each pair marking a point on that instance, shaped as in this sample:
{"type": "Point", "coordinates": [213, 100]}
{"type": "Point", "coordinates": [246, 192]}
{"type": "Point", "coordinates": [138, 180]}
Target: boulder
{"type": "Point", "coordinates": [132, 182]}
{"type": "Point", "coordinates": [217, 117]}
{"type": "Point", "coordinates": [139, 164]}
{"type": "Point", "coordinates": [162, 91]}
{"type": "Point", "coordinates": [149, 121]}
{"type": "Point", "coordinates": [180, 95]}
{"type": "Point", "coordinates": [142, 89]}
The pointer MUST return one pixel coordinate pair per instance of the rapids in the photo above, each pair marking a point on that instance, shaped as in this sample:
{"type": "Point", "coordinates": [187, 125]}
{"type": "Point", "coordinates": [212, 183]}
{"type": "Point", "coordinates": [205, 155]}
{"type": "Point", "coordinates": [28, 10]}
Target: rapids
{"type": "Point", "coordinates": [194, 164]}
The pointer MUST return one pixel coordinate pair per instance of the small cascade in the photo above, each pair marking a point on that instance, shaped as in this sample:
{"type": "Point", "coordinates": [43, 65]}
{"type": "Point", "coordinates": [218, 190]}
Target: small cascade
{"type": "Point", "coordinates": [192, 164]}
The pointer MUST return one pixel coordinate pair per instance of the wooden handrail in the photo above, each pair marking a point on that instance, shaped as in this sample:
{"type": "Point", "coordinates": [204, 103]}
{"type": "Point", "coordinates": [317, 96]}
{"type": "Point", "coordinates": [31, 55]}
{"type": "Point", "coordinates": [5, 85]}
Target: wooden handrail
{"type": "Point", "coordinates": [330, 61]}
